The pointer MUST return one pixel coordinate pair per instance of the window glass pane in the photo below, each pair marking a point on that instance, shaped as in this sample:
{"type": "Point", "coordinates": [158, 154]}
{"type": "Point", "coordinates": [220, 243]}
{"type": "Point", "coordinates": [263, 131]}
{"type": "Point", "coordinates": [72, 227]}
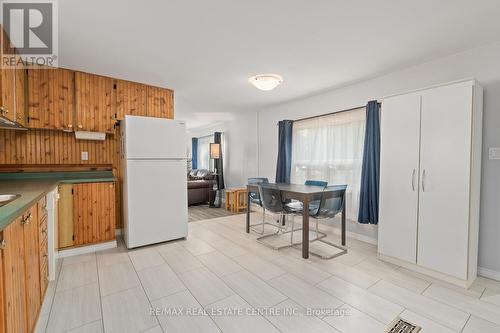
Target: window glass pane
{"type": "Point", "coordinates": [204, 161]}
{"type": "Point", "coordinates": [331, 148]}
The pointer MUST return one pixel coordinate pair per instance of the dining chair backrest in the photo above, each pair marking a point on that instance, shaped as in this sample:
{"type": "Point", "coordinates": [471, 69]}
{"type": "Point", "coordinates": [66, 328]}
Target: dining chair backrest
{"type": "Point", "coordinates": [254, 196]}
{"type": "Point", "coordinates": [257, 180]}
{"type": "Point", "coordinates": [332, 201]}
{"type": "Point", "coordinates": [270, 196]}
{"type": "Point", "coordinates": [311, 182]}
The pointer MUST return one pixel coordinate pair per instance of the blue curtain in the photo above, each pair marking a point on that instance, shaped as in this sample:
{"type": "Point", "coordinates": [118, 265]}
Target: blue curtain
{"type": "Point", "coordinates": [370, 173]}
{"type": "Point", "coordinates": [194, 153]}
{"type": "Point", "coordinates": [284, 164]}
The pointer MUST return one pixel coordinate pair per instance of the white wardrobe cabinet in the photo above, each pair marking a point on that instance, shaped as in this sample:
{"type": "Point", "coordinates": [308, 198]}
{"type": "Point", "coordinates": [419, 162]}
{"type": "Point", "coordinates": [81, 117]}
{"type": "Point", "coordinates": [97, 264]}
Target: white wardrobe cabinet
{"type": "Point", "coordinates": [429, 180]}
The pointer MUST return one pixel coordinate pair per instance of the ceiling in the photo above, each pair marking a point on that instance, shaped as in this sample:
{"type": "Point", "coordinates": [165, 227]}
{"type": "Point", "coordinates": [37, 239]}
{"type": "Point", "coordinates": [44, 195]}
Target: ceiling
{"type": "Point", "coordinates": [206, 50]}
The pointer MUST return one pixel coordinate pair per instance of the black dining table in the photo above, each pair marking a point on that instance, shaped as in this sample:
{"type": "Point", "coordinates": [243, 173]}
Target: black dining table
{"type": "Point", "coordinates": [304, 194]}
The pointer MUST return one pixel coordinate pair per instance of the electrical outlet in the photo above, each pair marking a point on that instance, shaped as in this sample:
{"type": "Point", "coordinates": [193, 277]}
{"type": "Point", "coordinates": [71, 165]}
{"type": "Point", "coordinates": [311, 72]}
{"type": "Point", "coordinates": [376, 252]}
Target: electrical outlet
{"type": "Point", "coordinates": [85, 155]}
{"type": "Point", "coordinates": [494, 153]}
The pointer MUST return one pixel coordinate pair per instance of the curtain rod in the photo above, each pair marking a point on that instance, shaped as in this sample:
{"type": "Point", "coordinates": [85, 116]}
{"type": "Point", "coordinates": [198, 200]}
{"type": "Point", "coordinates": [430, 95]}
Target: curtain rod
{"type": "Point", "coordinates": [206, 136]}
{"type": "Point", "coordinates": [330, 113]}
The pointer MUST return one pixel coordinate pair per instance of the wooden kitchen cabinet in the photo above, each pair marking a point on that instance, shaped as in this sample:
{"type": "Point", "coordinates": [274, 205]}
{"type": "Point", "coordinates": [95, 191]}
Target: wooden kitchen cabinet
{"type": "Point", "coordinates": [160, 102]}
{"type": "Point", "coordinates": [93, 212]}
{"type": "Point", "coordinates": [7, 82]}
{"type": "Point", "coordinates": [20, 295]}
{"type": "Point", "coordinates": [20, 87]}
{"type": "Point", "coordinates": [32, 266]}
{"type": "Point", "coordinates": [43, 247]}
{"type": "Point", "coordinates": [65, 216]}
{"type": "Point", "coordinates": [7, 96]}
{"type": "Point", "coordinates": [86, 214]}
{"type": "Point", "coordinates": [13, 257]}
{"type": "Point", "coordinates": [51, 99]}
{"type": "Point", "coordinates": [2, 294]}
{"type": "Point", "coordinates": [12, 86]}
{"type": "Point", "coordinates": [94, 103]}
{"type": "Point", "coordinates": [131, 99]}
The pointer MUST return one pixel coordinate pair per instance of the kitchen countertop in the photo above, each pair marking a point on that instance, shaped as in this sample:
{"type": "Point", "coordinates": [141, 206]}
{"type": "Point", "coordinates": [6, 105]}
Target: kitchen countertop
{"type": "Point", "coordinates": [33, 186]}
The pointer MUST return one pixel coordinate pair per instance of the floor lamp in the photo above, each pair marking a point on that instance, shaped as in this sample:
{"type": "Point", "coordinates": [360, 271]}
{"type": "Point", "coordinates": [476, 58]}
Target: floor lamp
{"type": "Point", "coordinates": [215, 154]}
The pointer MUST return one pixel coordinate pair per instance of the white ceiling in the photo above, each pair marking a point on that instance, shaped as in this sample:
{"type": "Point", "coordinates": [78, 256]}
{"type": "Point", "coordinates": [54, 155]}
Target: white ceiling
{"type": "Point", "coordinates": [205, 50]}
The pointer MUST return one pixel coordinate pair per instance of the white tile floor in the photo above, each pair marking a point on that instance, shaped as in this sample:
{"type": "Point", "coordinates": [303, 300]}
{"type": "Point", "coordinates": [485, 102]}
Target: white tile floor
{"type": "Point", "coordinates": [221, 267]}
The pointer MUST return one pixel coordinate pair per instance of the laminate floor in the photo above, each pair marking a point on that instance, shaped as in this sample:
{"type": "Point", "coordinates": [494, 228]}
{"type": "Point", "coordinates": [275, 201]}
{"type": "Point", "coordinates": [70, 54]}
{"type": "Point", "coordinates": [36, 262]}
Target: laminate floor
{"type": "Point", "coordinates": [204, 212]}
{"type": "Point", "coordinates": [221, 279]}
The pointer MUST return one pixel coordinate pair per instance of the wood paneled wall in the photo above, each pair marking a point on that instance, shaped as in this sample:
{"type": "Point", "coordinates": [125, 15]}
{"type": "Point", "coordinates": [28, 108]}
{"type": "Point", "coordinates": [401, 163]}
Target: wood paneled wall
{"type": "Point", "coordinates": [54, 147]}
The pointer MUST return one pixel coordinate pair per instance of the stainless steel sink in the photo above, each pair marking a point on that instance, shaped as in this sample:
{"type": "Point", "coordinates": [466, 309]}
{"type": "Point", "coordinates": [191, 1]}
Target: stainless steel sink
{"type": "Point", "coordinates": [6, 198]}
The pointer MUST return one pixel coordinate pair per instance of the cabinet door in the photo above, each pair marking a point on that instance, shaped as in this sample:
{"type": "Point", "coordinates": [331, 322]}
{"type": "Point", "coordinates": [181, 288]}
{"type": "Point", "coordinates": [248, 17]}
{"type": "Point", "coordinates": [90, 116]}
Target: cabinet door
{"type": "Point", "coordinates": [93, 212]}
{"type": "Point", "coordinates": [51, 98]}
{"type": "Point", "coordinates": [94, 103]}
{"type": "Point", "coordinates": [32, 266]}
{"type": "Point", "coordinates": [8, 82]}
{"type": "Point", "coordinates": [399, 160]}
{"type": "Point", "coordinates": [20, 83]}
{"type": "Point", "coordinates": [160, 103]}
{"type": "Point", "coordinates": [131, 99]}
{"type": "Point", "coordinates": [8, 96]}
{"type": "Point", "coordinates": [445, 179]}
{"type": "Point", "coordinates": [43, 246]}
{"type": "Point", "coordinates": [3, 303]}
{"type": "Point", "coordinates": [14, 278]}
{"type": "Point", "coordinates": [65, 216]}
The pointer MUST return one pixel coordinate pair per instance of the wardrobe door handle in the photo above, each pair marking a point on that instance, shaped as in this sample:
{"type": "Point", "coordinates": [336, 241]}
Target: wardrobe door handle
{"type": "Point", "coordinates": [413, 180]}
{"type": "Point", "coordinates": [423, 181]}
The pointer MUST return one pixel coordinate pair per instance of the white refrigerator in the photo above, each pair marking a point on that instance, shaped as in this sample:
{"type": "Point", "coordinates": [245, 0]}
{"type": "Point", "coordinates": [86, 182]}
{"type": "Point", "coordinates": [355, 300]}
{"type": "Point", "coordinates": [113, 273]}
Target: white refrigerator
{"type": "Point", "coordinates": [154, 180]}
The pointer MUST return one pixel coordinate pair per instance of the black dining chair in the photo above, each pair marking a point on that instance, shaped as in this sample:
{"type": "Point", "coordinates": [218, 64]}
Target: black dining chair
{"type": "Point", "coordinates": [296, 205]}
{"type": "Point", "coordinates": [330, 205]}
{"type": "Point", "coordinates": [272, 201]}
{"type": "Point", "coordinates": [256, 200]}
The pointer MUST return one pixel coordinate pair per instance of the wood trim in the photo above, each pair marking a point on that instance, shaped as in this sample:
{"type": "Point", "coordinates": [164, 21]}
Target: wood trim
{"type": "Point", "coordinates": [7, 168]}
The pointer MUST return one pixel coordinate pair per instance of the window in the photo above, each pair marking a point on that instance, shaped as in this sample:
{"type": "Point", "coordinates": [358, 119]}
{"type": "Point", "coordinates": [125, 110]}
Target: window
{"type": "Point", "coordinates": [331, 148]}
{"type": "Point", "coordinates": [204, 161]}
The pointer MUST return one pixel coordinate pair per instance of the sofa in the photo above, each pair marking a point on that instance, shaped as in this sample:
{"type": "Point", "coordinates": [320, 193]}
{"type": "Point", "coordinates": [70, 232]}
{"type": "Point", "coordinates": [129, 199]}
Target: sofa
{"type": "Point", "coordinates": [201, 187]}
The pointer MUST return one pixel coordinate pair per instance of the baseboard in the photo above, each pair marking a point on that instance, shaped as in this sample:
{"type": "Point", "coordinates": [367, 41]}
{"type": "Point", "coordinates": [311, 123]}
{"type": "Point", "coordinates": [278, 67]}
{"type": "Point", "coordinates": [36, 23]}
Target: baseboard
{"type": "Point", "coordinates": [86, 249]}
{"type": "Point", "coordinates": [422, 270]}
{"type": "Point", "coordinates": [488, 273]}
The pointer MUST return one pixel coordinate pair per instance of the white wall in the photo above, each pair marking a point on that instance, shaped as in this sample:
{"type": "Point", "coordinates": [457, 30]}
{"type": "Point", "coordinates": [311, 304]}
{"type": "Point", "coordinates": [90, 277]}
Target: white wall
{"type": "Point", "coordinates": [240, 151]}
{"type": "Point", "coordinates": [482, 63]}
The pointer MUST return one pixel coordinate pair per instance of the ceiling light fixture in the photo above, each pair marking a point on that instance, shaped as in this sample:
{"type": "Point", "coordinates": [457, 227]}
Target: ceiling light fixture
{"type": "Point", "coordinates": [266, 82]}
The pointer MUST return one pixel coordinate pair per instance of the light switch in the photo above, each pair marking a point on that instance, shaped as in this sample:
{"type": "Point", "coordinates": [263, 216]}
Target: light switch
{"type": "Point", "coordinates": [85, 155]}
{"type": "Point", "coordinates": [494, 153]}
